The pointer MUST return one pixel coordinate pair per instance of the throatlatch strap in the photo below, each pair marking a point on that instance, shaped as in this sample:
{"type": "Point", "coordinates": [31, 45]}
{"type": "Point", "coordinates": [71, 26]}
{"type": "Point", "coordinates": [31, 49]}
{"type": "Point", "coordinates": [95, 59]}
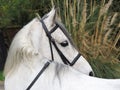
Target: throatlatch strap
{"type": "Point", "coordinates": [51, 50]}
{"type": "Point", "coordinates": [49, 37]}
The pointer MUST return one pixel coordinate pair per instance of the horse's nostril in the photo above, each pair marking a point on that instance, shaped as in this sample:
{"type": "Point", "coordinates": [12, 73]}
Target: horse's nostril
{"type": "Point", "coordinates": [91, 74]}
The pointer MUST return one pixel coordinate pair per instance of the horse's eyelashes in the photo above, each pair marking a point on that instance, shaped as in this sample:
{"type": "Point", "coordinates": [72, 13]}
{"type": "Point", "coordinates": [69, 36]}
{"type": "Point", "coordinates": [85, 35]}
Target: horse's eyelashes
{"type": "Point", "coordinates": [64, 43]}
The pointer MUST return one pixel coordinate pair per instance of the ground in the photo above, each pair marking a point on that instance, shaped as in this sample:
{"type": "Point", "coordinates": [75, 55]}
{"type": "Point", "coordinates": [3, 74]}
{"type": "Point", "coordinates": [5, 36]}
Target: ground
{"type": "Point", "coordinates": [1, 85]}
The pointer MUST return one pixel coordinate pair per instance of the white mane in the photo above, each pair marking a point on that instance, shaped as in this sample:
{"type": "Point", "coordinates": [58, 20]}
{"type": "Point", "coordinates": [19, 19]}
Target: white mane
{"type": "Point", "coordinates": [21, 48]}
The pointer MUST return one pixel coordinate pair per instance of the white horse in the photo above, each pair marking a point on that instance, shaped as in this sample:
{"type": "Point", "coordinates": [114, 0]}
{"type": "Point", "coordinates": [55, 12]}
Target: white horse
{"type": "Point", "coordinates": [32, 40]}
{"type": "Point", "coordinates": [28, 61]}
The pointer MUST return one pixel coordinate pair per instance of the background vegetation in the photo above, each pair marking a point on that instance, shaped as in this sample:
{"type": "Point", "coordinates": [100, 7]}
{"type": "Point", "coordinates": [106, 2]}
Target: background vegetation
{"type": "Point", "coordinates": [1, 76]}
{"type": "Point", "coordinates": [93, 24]}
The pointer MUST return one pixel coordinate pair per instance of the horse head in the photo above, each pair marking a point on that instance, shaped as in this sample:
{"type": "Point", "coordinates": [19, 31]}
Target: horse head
{"type": "Point", "coordinates": [45, 38]}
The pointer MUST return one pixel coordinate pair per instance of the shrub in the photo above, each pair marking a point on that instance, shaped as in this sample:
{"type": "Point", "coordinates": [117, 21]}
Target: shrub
{"type": "Point", "coordinates": [96, 31]}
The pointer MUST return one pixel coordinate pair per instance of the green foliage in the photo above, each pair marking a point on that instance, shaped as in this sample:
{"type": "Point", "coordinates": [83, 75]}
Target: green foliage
{"type": "Point", "coordinates": [1, 76]}
{"type": "Point", "coordinates": [115, 6]}
{"type": "Point", "coordinates": [19, 12]}
{"type": "Point", "coordinates": [105, 69]}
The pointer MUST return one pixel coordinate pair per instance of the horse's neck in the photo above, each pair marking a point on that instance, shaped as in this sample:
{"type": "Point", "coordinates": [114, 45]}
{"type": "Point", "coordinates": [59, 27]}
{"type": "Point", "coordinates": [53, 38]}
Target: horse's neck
{"type": "Point", "coordinates": [58, 77]}
{"type": "Point", "coordinates": [24, 74]}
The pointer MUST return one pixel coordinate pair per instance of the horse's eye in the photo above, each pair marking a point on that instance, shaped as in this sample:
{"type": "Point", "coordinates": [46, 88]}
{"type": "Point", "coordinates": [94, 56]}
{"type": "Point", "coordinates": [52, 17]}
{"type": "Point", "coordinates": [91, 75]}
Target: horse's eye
{"type": "Point", "coordinates": [64, 43]}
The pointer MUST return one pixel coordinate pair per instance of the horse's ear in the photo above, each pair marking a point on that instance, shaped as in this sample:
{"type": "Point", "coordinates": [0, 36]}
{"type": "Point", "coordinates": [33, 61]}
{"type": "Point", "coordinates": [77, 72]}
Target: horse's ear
{"type": "Point", "coordinates": [52, 16]}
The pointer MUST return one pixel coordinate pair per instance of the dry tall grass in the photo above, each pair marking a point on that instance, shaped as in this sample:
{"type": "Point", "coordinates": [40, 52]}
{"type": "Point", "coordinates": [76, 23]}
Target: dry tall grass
{"type": "Point", "coordinates": [95, 30]}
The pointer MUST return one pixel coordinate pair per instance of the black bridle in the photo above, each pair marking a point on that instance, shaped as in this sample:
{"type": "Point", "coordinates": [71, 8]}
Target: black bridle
{"type": "Point", "coordinates": [52, 41]}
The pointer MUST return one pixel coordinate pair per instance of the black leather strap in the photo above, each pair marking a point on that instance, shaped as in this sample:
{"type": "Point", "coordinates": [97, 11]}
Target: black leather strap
{"type": "Point", "coordinates": [51, 40]}
{"type": "Point", "coordinates": [49, 37]}
{"type": "Point", "coordinates": [39, 74]}
{"type": "Point", "coordinates": [64, 59]}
